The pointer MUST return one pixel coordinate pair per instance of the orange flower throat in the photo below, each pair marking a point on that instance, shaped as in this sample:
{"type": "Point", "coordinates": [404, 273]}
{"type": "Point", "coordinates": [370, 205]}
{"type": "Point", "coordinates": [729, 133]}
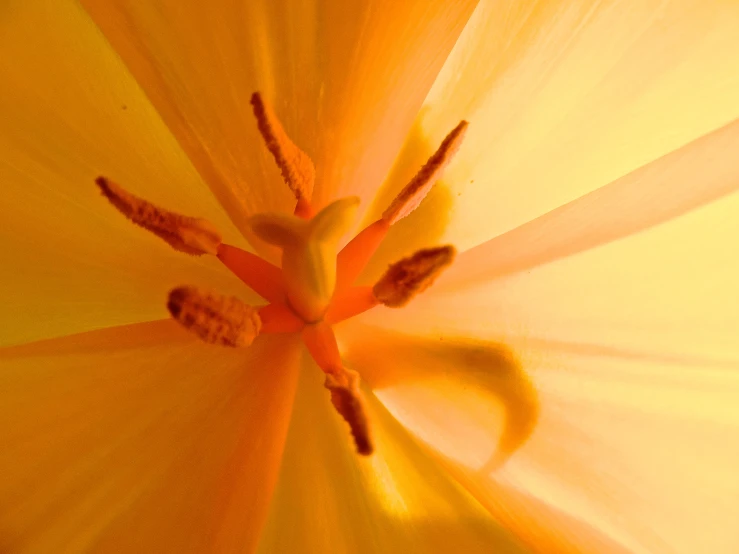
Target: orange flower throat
{"type": "Point", "coordinates": [314, 287]}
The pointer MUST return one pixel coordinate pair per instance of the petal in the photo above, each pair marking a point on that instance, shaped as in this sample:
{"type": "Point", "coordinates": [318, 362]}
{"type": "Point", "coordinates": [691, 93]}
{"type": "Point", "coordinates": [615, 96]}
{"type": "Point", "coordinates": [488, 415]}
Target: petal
{"type": "Point", "coordinates": [472, 403]}
{"type": "Point", "coordinates": [70, 112]}
{"type": "Point", "coordinates": [697, 174]}
{"type": "Point", "coordinates": [140, 439]}
{"type": "Point", "coordinates": [396, 500]}
{"type": "Point", "coordinates": [564, 97]}
{"type": "Point", "coordinates": [632, 348]}
{"type": "Point", "coordinates": [346, 80]}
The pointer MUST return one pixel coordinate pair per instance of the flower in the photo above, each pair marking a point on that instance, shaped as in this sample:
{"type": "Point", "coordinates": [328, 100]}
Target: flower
{"type": "Point", "coordinates": [592, 205]}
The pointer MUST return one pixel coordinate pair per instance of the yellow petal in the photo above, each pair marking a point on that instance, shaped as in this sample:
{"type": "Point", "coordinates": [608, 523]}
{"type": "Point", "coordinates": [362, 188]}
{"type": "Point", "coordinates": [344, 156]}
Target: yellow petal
{"type": "Point", "coordinates": [564, 97]}
{"type": "Point", "coordinates": [474, 406]}
{"type": "Point", "coordinates": [699, 173]}
{"type": "Point", "coordinates": [141, 439]}
{"type": "Point", "coordinates": [632, 348]}
{"type": "Point", "coordinates": [540, 525]}
{"type": "Point", "coordinates": [71, 112]}
{"type": "Point", "coordinates": [346, 81]}
{"type": "Point", "coordinates": [396, 500]}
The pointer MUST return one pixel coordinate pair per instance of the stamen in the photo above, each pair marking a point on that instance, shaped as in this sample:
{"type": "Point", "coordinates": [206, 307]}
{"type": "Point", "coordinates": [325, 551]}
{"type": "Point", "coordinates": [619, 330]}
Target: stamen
{"type": "Point", "coordinates": [354, 257]}
{"type": "Point", "coordinates": [410, 276]}
{"type": "Point", "coordinates": [295, 165]}
{"type": "Point", "coordinates": [214, 318]}
{"type": "Point", "coordinates": [187, 234]}
{"type": "Point", "coordinates": [259, 275]}
{"type": "Point", "coordinates": [320, 340]}
{"type": "Point", "coordinates": [348, 401]}
{"type": "Point", "coordinates": [349, 303]}
{"type": "Point", "coordinates": [415, 191]}
{"type": "Point", "coordinates": [278, 318]}
{"type": "Point", "coordinates": [341, 382]}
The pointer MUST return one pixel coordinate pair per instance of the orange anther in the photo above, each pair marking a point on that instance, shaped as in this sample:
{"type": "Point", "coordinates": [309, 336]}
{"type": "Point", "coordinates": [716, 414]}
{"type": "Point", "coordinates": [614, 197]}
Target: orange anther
{"type": "Point", "coordinates": [216, 319]}
{"type": "Point", "coordinates": [190, 235]}
{"type": "Point", "coordinates": [410, 276]}
{"type": "Point", "coordinates": [295, 165]}
{"type": "Point", "coordinates": [415, 191]}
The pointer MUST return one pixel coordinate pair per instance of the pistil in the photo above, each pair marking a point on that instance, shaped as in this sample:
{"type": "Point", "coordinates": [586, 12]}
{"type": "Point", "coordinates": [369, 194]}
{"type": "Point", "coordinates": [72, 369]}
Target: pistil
{"type": "Point", "coordinates": [313, 288]}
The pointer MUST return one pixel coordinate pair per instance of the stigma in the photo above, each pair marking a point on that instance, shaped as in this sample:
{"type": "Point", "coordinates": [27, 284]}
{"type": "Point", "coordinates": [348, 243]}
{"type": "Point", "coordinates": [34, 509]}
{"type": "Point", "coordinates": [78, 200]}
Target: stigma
{"type": "Point", "coordinates": [314, 286]}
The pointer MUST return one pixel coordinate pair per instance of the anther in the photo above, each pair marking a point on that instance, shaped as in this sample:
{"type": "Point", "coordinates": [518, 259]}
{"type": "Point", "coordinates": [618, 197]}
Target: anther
{"type": "Point", "coordinates": [357, 253]}
{"type": "Point", "coordinates": [214, 318]}
{"type": "Point", "coordinates": [187, 234]}
{"type": "Point", "coordinates": [349, 403]}
{"type": "Point", "coordinates": [296, 167]}
{"type": "Point", "coordinates": [410, 276]}
{"type": "Point", "coordinates": [343, 384]}
{"type": "Point", "coordinates": [415, 191]}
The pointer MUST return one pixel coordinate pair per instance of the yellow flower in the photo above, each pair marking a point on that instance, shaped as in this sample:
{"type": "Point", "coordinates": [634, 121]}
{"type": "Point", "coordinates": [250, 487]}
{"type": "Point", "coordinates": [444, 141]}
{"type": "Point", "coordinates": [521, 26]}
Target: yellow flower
{"type": "Point", "coordinates": [591, 204]}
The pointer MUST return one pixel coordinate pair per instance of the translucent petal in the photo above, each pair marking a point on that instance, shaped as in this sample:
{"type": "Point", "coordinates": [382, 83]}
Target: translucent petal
{"type": "Point", "coordinates": [698, 173]}
{"type": "Point", "coordinates": [396, 500]}
{"type": "Point", "coordinates": [70, 112]}
{"type": "Point", "coordinates": [345, 79]}
{"type": "Point", "coordinates": [565, 97]}
{"type": "Point", "coordinates": [632, 349]}
{"type": "Point", "coordinates": [141, 439]}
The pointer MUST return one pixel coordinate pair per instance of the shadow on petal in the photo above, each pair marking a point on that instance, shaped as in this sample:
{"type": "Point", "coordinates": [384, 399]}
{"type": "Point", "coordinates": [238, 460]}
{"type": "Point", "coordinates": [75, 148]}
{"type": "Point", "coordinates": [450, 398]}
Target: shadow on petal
{"type": "Point", "coordinates": [456, 394]}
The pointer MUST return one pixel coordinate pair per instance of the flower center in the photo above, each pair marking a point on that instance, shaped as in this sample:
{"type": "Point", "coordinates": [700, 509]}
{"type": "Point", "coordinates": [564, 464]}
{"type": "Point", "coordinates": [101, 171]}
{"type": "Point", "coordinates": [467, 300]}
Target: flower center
{"type": "Point", "coordinates": [314, 287]}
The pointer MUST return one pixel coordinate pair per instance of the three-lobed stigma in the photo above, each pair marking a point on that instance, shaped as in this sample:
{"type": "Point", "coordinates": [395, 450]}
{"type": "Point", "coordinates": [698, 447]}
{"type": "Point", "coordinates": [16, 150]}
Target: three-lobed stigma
{"type": "Point", "coordinates": [314, 285]}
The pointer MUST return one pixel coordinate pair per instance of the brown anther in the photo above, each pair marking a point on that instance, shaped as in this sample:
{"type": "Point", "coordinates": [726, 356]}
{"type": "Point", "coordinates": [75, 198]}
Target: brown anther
{"type": "Point", "coordinates": [187, 234]}
{"type": "Point", "coordinates": [214, 318]}
{"type": "Point", "coordinates": [410, 276]}
{"type": "Point", "coordinates": [414, 192]}
{"type": "Point", "coordinates": [296, 167]}
{"type": "Point", "coordinates": [349, 403]}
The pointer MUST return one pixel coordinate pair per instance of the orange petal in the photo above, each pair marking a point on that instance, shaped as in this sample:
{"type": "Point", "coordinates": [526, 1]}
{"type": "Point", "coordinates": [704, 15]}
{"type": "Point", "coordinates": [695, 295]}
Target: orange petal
{"type": "Point", "coordinates": [141, 428]}
{"type": "Point", "coordinates": [564, 98]}
{"type": "Point", "coordinates": [357, 76]}
{"type": "Point", "coordinates": [397, 500]}
{"type": "Point", "coordinates": [70, 112]}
